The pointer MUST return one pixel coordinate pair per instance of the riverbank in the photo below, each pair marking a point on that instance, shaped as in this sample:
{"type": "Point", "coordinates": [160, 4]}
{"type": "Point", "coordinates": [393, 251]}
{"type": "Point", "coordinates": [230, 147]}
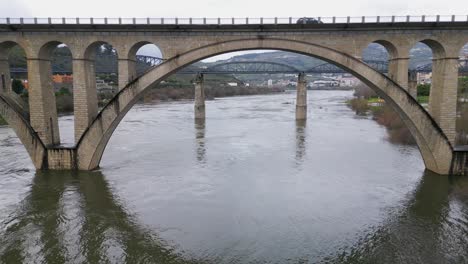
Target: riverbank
{"type": "Point", "coordinates": [367, 103]}
{"type": "Point", "coordinates": [185, 93]}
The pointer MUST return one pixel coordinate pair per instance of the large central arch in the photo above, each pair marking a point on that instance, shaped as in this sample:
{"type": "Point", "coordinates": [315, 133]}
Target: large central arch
{"type": "Point", "coordinates": [435, 148]}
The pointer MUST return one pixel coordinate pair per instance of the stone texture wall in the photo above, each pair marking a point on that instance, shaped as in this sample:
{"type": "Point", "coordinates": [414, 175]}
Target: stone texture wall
{"type": "Point", "coordinates": [181, 47]}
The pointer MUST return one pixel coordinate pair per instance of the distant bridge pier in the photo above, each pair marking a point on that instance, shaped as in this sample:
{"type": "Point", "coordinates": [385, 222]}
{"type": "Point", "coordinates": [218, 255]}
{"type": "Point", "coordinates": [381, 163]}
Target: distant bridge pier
{"type": "Point", "coordinates": [301, 97]}
{"type": "Point", "coordinates": [199, 97]}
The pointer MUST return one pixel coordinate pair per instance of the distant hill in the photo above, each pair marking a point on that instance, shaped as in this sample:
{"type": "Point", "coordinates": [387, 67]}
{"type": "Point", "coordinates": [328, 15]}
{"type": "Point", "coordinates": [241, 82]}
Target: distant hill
{"type": "Point", "coordinates": [420, 54]}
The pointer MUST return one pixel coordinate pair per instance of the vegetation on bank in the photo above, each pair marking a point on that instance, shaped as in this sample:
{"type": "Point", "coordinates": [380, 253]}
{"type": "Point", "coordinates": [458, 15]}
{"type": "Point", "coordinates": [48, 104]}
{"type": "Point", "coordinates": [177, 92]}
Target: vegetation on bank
{"type": "Point", "coordinates": [368, 103]}
{"type": "Point", "coordinates": [2, 121]}
{"type": "Point", "coordinates": [169, 93]}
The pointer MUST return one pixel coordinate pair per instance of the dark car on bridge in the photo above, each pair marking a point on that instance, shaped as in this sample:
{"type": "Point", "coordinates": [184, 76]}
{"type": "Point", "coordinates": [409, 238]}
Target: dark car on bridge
{"type": "Point", "coordinates": [308, 20]}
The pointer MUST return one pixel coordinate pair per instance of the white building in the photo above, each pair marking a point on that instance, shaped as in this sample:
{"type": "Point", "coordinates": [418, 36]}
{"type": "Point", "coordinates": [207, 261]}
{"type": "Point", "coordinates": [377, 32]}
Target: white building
{"type": "Point", "coordinates": [348, 81]}
{"type": "Point", "coordinates": [424, 78]}
{"type": "Point", "coordinates": [325, 83]}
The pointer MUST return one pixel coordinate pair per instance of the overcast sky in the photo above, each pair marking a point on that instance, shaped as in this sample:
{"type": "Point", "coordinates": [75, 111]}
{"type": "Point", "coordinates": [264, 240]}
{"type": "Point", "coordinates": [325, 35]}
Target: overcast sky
{"type": "Point", "coordinates": [228, 8]}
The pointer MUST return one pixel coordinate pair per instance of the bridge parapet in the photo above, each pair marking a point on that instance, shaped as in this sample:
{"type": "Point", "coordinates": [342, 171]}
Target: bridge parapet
{"type": "Point", "coordinates": [317, 20]}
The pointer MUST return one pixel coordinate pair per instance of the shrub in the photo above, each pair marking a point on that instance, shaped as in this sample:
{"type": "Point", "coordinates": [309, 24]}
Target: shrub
{"type": "Point", "coordinates": [359, 105]}
{"type": "Point", "coordinates": [397, 130]}
{"type": "Point", "coordinates": [3, 122]}
{"type": "Point", "coordinates": [424, 89]}
{"type": "Point", "coordinates": [363, 91]}
{"type": "Point", "coordinates": [64, 103]}
{"type": "Point", "coordinates": [17, 86]}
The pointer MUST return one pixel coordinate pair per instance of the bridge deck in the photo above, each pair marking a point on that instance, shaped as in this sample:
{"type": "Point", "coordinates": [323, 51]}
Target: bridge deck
{"type": "Point", "coordinates": [232, 27]}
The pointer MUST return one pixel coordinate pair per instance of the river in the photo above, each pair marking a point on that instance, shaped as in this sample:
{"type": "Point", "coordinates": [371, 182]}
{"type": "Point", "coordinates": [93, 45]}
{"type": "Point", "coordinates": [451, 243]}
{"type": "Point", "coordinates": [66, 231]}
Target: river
{"type": "Point", "coordinates": [249, 185]}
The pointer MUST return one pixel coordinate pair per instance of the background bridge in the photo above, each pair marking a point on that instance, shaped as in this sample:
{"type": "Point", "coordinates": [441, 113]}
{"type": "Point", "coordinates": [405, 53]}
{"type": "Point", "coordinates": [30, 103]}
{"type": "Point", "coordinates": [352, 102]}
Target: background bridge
{"type": "Point", "coordinates": [106, 64]}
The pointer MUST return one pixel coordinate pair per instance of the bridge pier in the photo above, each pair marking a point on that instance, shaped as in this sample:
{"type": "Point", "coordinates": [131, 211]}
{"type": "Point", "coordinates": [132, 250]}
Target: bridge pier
{"type": "Point", "coordinates": [127, 72]}
{"type": "Point", "coordinates": [460, 161]}
{"type": "Point", "coordinates": [199, 97]}
{"type": "Point", "coordinates": [398, 71]}
{"type": "Point", "coordinates": [5, 79]}
{"type": "Point", "coordinates": [301, 97]}
{"type": "Point", "coordinates": [42, 106]}
{"type": "Point", "coordinates": [413, 84]}
{"type": "Point", "coordinates": [85, 103]}
{"type": "Point", "coordinates": [443, 95]}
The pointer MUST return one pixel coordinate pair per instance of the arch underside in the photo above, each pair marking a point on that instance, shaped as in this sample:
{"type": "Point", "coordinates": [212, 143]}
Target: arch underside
{"type": "Point", "coordinates": [435, 148]}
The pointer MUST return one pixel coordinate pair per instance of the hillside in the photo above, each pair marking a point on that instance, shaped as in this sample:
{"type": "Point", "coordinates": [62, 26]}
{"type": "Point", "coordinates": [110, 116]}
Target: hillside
{"type": "Point", "coordinates": [420, 54]}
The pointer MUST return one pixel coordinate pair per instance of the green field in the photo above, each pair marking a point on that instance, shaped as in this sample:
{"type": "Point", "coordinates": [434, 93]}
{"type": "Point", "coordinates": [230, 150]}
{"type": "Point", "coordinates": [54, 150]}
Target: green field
{"type": "Point", "coordinates": [423, 99]}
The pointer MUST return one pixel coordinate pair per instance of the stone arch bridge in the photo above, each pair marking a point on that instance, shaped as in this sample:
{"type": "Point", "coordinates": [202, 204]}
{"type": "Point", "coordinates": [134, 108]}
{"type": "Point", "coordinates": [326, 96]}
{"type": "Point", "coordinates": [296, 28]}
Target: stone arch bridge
{"type": "Point", "coordinates": [182, 44]}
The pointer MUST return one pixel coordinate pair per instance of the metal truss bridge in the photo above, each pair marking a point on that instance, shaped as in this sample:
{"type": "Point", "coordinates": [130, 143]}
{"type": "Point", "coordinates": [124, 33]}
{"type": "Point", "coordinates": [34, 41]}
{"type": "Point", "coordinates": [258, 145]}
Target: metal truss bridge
{"type": "Point", "coordinates": [107, 64]}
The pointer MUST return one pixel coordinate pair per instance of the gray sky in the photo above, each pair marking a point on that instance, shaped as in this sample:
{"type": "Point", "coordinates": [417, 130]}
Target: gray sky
{"type": "Point", "coordinates": [228, 8]}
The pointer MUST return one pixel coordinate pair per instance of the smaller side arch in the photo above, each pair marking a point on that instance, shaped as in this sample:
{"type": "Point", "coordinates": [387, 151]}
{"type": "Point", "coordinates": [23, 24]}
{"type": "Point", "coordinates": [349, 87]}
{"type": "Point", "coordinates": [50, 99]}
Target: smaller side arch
{"type": "Point", "coordinates": [389, 46]}
{"type": "Point", "coordinates": [131, 54]}
{"type": "Point", "coordinates": [438, 49]}
{"type": "Point", "coordinates": [6, 83]}
{"type": "Point", "coordinates": [443, 86]}
{"type": "Point", "coordinates": [397, 60]}
{"type": "Point", "coordinates": [129, 69]}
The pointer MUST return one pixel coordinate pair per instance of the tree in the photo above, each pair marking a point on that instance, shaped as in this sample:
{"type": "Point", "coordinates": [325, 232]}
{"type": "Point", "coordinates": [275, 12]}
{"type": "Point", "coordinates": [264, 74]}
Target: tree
{"type": "Point", "coordinates": [463, 84]}
{"type": "Point", "coordinates": [424, 89]}
{"type": "Point", "coordinates": [17, 86]}
{"type": "Point", "coordinates": [62, 91]}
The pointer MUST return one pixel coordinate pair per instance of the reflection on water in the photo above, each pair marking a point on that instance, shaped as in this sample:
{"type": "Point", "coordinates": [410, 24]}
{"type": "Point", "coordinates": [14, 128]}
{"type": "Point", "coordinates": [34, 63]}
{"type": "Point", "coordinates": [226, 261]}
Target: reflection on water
{"type": "Point", "coordinates": [200, 139]}
{"type": "Point", "coordinates": [300, 140]}
{"type": "Point", "coordinates": [74, 217]}
{"type": "Point", "coordinates": [249, 186]}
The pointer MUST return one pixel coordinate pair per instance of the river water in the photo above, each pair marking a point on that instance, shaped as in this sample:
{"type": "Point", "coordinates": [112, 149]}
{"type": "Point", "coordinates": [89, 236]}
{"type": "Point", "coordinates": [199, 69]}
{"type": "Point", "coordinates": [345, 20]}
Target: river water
{"type": "Point", "coordinates": [250, 185]}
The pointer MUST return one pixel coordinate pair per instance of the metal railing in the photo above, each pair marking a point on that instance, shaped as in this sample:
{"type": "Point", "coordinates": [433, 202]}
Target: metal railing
{"type": "Point", "coordinates": [234, 21]}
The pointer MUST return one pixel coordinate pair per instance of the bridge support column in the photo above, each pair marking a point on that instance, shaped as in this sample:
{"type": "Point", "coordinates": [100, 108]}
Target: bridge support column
{"type": "Point", "coordinates": [413, 84]}
{"type": "Point", "coordinates": [85, 103]}
{"type": "Point", "coordinates": [301, 97]}
{"type": "Point", "coordinates": [443, 95]}
{"type": "Point", "coordinates": [127, 72]}
{"type": "Point", "coordinates": [398, 71]}
{"type": "Point", "coordinates": [5, 79]}
{"type": "Point", "coordinates": [460, 161]}
{"type": "Point", "coordinates": [42, 106]}
{"type": "Point", "coordinates": [199, 97]}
